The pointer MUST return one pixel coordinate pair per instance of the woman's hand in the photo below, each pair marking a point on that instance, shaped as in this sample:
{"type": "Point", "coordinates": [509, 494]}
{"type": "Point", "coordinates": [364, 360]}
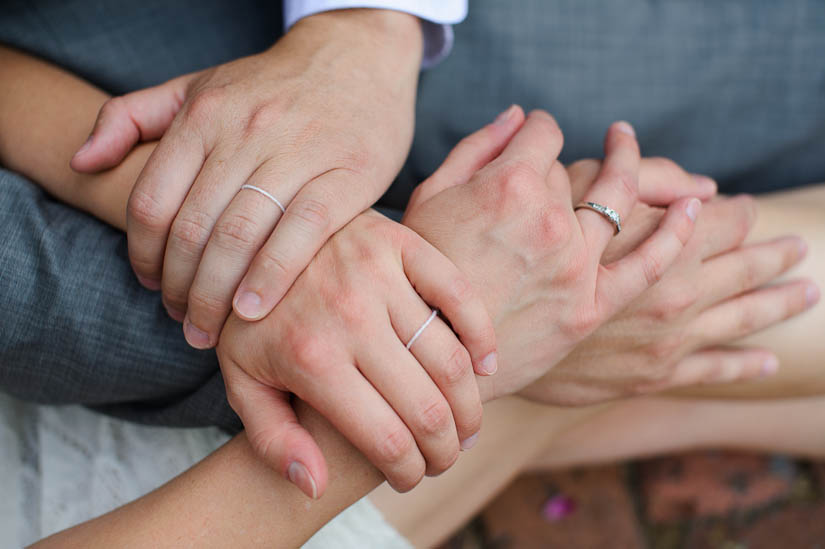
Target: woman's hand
{"type": "Point", "coordinates": [504, 216]}
{"type": "Point", "coordinates": [679, 331]}
{"type": "Point", "coordinates": [337, 341]}
{"type": "Point", "coordinates": [321, 123]}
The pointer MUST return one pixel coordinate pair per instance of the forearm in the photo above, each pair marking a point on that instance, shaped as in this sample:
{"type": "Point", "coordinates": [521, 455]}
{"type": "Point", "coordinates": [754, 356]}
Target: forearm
{"type": "Point", "coordinates": [45, 115]}
{"type": "Point", "coordinates": [232, 500]}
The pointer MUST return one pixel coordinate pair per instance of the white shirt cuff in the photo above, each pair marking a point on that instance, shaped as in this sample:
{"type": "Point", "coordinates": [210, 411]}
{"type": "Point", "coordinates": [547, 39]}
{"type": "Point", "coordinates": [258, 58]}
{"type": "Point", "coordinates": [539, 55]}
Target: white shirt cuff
{"type": "Point", "coordinates": [437, 18]}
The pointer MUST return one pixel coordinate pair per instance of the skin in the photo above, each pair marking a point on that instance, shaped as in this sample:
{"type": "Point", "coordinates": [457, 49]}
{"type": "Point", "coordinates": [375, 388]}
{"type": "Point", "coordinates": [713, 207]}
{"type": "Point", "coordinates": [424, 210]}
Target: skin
{"type": "Point", "coordinates": [322, 121]}
{"type": "Point", "coordinates": [284, 442]}
{"type": "Point", "coordinates": [232, 476]}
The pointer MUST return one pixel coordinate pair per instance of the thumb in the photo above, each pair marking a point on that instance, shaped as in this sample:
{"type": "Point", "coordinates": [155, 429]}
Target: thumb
{"type": "Point", "coordinates": [470, 155]}
{"type": "Point", "coordinates": [123, 121]}
{"type": "Point", "coordinates": [276, 436]}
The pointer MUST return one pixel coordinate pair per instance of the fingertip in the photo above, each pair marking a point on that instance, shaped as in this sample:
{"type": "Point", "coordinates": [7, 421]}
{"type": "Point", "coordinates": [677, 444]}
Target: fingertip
{"type": "Point", "coordinates": [694, 206]}
{"type": "Point", "coordinates": [705, 186]}
{"type": "Point", "coordinates": [488, 365]}
{"type": "Point", "coordinates": [248, 305]}
{"type": "Point", "coordinates": [812, 295]}
{"type": "Point", "coordinates": [770, 365]}
{"type": "Point", "coordinates": [298, 474]}
{"type": "Point", "coordinates": [624, 127]}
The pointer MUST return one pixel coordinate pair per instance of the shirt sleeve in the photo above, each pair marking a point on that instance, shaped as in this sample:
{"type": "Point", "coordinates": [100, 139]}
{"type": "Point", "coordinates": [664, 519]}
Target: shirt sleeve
{"type": "Point", "coordinates": [437, 18]}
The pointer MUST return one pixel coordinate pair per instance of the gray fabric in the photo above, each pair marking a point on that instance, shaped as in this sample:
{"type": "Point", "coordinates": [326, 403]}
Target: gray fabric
{"type": "Point", "coordinates": [735, 89]}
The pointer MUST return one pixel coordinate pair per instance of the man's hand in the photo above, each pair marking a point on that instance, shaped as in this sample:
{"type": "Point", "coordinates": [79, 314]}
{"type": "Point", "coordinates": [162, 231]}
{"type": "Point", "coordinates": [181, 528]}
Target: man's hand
{"type": "Point", "coordinates": [321, 122]}
{"type": "Point", "coordinates": [678, 332]}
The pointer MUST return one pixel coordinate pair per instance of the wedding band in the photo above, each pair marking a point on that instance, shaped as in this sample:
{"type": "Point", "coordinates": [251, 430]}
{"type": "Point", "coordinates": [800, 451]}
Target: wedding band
{"type": "Point", "coordinates": [608, 213]}
{"type": "Point", "coordinates": [422, 328]}
{"type": "Point", "coordinates": [266, 194]}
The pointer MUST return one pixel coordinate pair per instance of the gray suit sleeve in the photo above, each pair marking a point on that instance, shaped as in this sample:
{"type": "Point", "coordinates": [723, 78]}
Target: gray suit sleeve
{"type": "Point", "coordinates": [76, 327]}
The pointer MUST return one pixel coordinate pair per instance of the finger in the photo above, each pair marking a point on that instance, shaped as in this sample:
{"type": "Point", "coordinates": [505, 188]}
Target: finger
{"type": "Point", "coordinates": [621, 282]}
{"type": "Point", "coordinates": [722, 365]}
{"type": "Point", "coordinates": [365, 418]}
{"type": "Point", "coordinates": [725, 224]}
{"type": "Point", "coordinates": [275, 434]}
{"type": "Point", "coordinates": [319, 209]}
{"type": "Point", "coordinates": [210, 194]}
{"type": "Point", "coordinates": [755, 311]}
{"type": "Point", "coordinates": [239, 233]}
{"type": "Point", "coordinates": [125, 120]}
{"type": "Point", "coordinates": [661, 181]}
{"type": "Point", "coordinates": [470, 155]}
{"type": "Point", "coordinates": [407, 387]}
{"type": "Point", "coordinates": [444, 287]}
{"type": "Point", "coordinates": [616, 187]}
{"type": "Point", "coordinates": [444, 358]}
{"type": "Point", "coordinates": [535, 146]}
{"type": "Point", "coordinates": [156, 198]}
{"type": "Point", "coordinates": [748, 267]}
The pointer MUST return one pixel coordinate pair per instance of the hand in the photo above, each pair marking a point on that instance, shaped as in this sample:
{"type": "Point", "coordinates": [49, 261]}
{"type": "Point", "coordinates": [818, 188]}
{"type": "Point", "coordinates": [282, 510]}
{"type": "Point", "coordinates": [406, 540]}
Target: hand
{"type": "Point", "coordinates": [678, 332]}
{"type": "Point", "coordinates": [337, 340]}
{"type": "Point", "coordinates": [322, 121]}
{"type": "Point", "coordinates": [504, 216]}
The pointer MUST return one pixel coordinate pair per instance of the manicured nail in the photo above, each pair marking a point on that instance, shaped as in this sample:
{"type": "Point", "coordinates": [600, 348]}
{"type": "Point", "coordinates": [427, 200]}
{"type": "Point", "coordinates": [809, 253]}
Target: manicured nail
{"type": "Point", "coordinates": [196, 337]}
{"type": "Point", "coordinates": [300, 477]}
{"type": "Point", "coordinates": [812, 295]}
{"type": "Point", "coordinates": [86, 146]}
{"type": "Point", "coordinates": [469, 442]}
{"type": "Point", "coordinates": [488, 365]}
{"type": "Point", "coordinates": [770, 366]}
{"type": "Point", "coordinates": [248, 305]}
{"type": "Point", "coordinates": [502, 118]}
{"type": "Point", "coordinates": [149, 283]}
{"type": "Point", "coordinates": [705, 183]}
{"type": "Point", "coordinates": [693, 208]}
{"type": "Point", "coordinates": [625, 127]}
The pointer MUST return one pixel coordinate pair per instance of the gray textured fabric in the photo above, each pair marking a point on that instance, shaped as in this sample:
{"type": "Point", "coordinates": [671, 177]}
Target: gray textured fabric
{"type": "Point", "coordinates": [735, 89]}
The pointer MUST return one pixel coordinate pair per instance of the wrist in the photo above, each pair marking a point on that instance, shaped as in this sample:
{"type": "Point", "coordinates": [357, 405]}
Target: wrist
{"type": "Point", "coordinates": [394, 35]}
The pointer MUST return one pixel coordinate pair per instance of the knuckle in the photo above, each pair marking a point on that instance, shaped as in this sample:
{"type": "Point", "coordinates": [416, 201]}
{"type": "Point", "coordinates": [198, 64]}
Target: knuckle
{"type": "Point", "coordinates": [443, 461]}
{"type": "Point", "coordinates": [209, 306]}
{"type": "Point", "coordinates": [191, 231]}
{"type": "Point", "coordinates": [271, 264]}
{"type": "Point", "coordinates": [204, 104]}
{"type": "Point", "coordinates": [264, 117]}
{"type": "Point", "coordinates": [313, 214]}
{"type": "Point", "coordinates": [261, 443]}
{"type": "Point", "coordinates": [237, 231]}
{"type": "Point", "coordinates": [666, 348]}
{"type": "Point", "coordinates": [459, 293]}
{"type": "Point", "coordinates": [457, 366]}
{"type": "Point", "coordinates": [581, 323]}
{"type": "Point", "coordinates": [572, 269]}
{"type": "Point", "coordinates": [434, 417]}
{"type": "Point", "coordinates": [652, 269]}
{"type": "Point", "coordinates": [309, 351]}
{"type": "Point", "coordinates": [554, 227]}
{"type": "Point", "coordinates": [516, 181]}
{"type": "Point", "coordinates": [146, 211]}
{"type": "Point", "coordinates": [672, 307]}
{"type": "Point", "coordinates": [395, 447]}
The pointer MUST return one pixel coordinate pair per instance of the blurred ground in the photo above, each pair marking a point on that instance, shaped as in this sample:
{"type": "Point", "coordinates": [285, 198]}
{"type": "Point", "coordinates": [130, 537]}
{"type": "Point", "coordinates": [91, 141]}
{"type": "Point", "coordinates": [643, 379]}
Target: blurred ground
{"type": "Point", "coordinates": [702, 500]}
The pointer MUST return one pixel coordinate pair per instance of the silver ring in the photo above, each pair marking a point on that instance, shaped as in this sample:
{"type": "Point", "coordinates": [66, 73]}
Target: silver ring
{"type": "Point", "coordinates": [265, 193]}
{"type": "Point", "coordinates": [609, 213]}
{"type": "Point", "coordinates": [421, 329]}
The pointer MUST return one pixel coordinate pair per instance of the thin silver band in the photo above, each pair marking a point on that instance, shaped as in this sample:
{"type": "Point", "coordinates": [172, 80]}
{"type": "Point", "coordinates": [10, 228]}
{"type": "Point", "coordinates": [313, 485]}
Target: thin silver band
{"type": "Point", "coordinates": [266, 194]}
{"type": "Point", "coordinates": [421, 329]}
{"type": "Point", "coordinates": [608, 213]}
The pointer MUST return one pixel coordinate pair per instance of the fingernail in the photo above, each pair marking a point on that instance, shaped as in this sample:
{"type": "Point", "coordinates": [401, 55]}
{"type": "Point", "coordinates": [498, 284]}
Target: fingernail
{"type": "Point", "coordinates": [706, 183]}
{"type": "Point", "coordinates": [812, 295]}
{"type": "Point", "coordinates": [149, 283]}
{"type": "Point", "coordinates": [502, 118]}
{"type": "Point", "coordinates": [488, 365]}
{"type": "Point", "coordinates": [469, 442]}
{"type": "Point", "coordinates": [693, 208]}
{"type": "Point", "coordinates": [196, 337]}
{"type": "Point", "coordinates": [770, 366]}
{"type": "Point", "coordinates": [625, 127]}
{"type": "Point", "coordinates": [85, 146]}
{"type": "Point", "coordinates": [248, 305]}
{"type": "Point", "coordinates": [300, 477]}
